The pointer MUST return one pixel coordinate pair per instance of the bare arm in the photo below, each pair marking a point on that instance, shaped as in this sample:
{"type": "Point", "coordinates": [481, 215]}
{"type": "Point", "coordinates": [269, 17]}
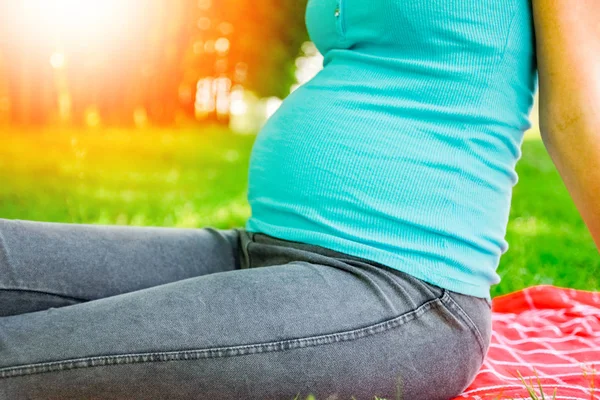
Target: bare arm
{"type": "Point", "coordinates": [568, 51]}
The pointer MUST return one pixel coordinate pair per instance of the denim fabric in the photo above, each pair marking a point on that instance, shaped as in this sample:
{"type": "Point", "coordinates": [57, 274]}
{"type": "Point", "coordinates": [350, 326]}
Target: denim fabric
{"type": "Point", "coordinates": [98, 312]}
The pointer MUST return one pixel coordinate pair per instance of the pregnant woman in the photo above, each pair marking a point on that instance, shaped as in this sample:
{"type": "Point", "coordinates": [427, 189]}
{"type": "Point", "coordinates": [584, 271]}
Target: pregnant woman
{"type": "Point", "coordinates": [380, 194]}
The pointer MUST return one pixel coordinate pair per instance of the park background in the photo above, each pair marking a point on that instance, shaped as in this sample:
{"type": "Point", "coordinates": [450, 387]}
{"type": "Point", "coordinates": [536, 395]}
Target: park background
{"type": "Point", "coordinates": [144, 112]}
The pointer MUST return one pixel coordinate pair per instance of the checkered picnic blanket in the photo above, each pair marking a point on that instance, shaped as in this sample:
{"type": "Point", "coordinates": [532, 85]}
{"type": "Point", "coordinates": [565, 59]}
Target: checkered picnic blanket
{"type": "Point", "coordinates": [543, 330]}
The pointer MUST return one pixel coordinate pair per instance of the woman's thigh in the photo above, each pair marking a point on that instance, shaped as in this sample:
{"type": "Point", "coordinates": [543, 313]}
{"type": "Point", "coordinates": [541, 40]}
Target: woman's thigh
{"type": "Point", "coordinates": [44, 265]}
{"type": "Point", "coordinates": [334, 329]}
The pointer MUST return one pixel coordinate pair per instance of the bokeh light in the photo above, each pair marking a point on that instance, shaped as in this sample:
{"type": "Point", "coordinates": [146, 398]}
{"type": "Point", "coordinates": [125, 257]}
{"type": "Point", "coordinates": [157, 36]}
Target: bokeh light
{"type": "Point", "coordinates": [101, 63]}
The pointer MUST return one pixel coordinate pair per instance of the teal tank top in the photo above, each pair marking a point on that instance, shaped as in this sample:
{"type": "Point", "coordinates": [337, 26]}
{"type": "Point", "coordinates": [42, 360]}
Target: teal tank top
{"type": "Point", "coordinates": [402, 150]}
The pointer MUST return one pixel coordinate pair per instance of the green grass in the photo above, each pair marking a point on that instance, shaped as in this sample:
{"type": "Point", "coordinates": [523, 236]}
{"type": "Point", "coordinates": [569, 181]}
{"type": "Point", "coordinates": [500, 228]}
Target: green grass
{"type": "Point", "coordinates": [183, 178]}
{"type": "Point", "coordinates": [195, 178]}
{"type": "Point", "coordinates": [549, 242]}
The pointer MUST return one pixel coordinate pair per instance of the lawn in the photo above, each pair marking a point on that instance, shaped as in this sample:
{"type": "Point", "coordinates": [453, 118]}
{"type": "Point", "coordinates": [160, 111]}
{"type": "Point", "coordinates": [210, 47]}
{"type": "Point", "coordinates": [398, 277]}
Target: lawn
{"type": "Point", "coordinates": [195, 178]}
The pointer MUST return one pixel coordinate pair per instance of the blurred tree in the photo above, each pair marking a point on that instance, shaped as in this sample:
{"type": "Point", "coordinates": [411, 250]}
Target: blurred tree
{"type": "Point", "coordinates": [30, 87]}
{"type": "Point", "coordinates": [146, 60]}
{"type": "Point", "coordinates": [268, 39]}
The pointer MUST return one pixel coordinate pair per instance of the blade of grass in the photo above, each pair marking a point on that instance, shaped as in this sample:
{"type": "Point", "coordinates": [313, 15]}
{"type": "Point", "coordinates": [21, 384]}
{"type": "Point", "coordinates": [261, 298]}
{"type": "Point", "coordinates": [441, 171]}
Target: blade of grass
{"type": "Point", "coordinates": [539, 384]}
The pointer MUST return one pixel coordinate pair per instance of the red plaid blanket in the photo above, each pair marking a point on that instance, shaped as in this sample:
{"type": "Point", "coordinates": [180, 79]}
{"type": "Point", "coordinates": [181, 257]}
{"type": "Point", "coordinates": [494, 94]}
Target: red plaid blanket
{"type": "Point", "coordinates": [544, 332]}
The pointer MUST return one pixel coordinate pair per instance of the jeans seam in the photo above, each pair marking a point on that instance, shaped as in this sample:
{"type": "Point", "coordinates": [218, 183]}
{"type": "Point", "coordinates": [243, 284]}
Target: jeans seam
{"type": "Point", "coordinates": [472, 326]}
{"type": "Point", "coordinates": [220, 352]}
{"type": "Point", "coordinates": [65, 297]}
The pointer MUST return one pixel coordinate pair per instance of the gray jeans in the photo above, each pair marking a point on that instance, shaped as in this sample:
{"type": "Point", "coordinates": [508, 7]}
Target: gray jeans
{"type": "Point", "coordinates": [98, 312]}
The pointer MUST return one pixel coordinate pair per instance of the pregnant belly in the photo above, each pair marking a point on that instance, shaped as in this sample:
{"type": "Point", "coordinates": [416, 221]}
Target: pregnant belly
{"type": "Point", "coordinates": [332, 158]}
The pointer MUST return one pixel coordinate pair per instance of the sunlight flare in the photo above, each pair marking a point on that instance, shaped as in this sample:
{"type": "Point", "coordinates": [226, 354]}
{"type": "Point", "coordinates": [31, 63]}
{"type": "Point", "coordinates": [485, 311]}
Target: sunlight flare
{"type": "Point", "coordinates": [77, 19]}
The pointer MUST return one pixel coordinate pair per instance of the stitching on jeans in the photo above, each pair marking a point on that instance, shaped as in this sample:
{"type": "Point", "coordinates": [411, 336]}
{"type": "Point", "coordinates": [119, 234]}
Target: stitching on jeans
{"type": "Point", "coordinates": [472, 326]}
{"type": "Point", "coordinates": [228, 351]}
